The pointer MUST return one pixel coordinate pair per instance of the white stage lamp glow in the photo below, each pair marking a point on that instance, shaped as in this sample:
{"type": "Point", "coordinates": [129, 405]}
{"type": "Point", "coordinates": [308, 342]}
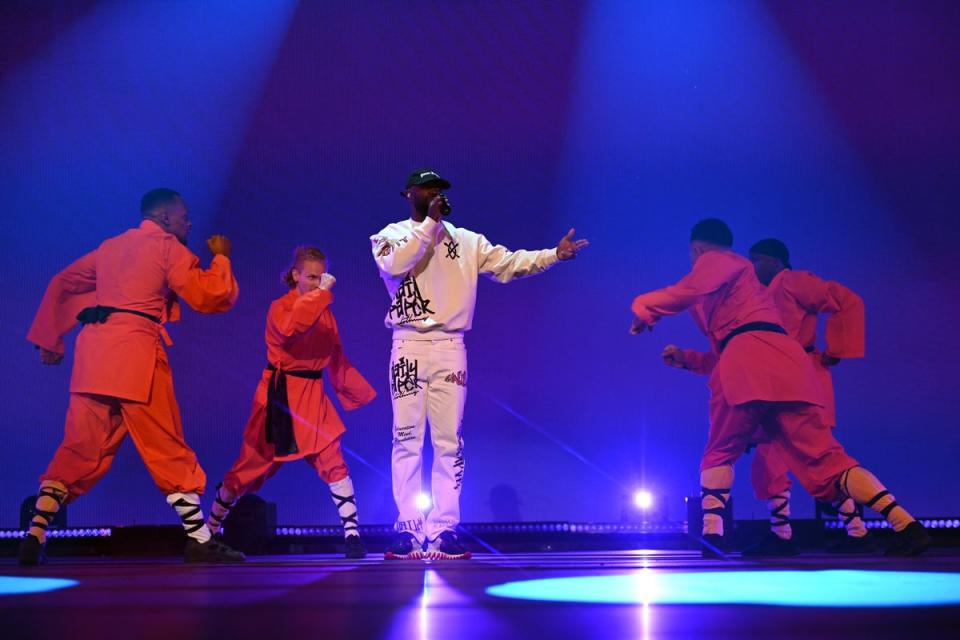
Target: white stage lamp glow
{"type": "Point", "coordinates": [423, 502]}
{"type": "Point", "coordinates": [643, 499]}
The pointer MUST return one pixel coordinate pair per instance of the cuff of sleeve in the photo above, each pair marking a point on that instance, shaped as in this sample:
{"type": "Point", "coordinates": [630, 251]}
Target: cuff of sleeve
{"type": "Point", "coordinates": [427, 227]}
{"type": "Point", "coordinates": [221, 259]}
{"type": "Point", "coordinates": [552, 258]}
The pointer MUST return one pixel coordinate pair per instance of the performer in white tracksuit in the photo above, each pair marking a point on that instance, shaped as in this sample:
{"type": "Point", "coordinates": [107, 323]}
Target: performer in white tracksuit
{"type": "Point", "coordinates": [430, 268]}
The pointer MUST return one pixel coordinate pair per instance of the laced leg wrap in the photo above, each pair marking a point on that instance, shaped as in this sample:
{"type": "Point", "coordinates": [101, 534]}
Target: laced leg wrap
{"type": "Point", "coordinates": [723, 495]}
{"type": "Point", "coordinates": [350, 522]}
{"type": "Point", "coordinates": [850, 516]}
{"type": "Point", "coordinates": [225, 508]}
{"type": "Point", "coordinates": [887, 509]}
{"type": "Point", "coordinates": [190, 516]}
{"type": "Point", "coordinates": [841, 483]}
{"type": "Point", "coordinates": [777, 516]}
{"type": "Point", "coordinates": [47, 517]}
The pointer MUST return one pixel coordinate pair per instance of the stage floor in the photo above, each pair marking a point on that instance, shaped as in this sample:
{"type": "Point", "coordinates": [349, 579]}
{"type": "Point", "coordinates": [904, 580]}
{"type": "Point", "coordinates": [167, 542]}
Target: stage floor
{"type": "Point", "coordinates": [638, 594]}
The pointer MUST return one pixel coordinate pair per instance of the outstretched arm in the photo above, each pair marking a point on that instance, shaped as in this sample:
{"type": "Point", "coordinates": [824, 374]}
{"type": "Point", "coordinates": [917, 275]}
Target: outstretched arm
{"type": "Point", "coordinates": [710, 272]}
{"type": "Point", "coordinates": [500, 264]}
{"type": "Point", "coordinates": [68, 293]}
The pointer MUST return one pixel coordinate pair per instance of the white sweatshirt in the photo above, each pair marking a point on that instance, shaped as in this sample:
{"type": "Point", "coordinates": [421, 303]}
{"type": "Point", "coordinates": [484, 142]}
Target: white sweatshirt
{"type": "Point", "coordinates": [431, 270]}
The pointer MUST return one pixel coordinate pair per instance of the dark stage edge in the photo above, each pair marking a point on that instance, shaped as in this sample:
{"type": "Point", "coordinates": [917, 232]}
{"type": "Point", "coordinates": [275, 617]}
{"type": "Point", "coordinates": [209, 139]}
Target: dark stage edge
{"type": "Point", "coordinates": [329, 597]}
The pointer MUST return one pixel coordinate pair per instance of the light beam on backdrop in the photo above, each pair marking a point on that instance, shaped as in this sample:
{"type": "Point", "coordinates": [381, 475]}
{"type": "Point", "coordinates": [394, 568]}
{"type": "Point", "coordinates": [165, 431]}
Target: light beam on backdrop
{"type": "Point", "coordinates": [131, 96]}
{"type": "Point", "coordinates": [682, 111]}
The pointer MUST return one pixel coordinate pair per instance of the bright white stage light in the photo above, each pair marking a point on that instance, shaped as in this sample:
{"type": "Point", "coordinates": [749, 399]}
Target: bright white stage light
{"type": "Point", "coordinates": [423, 502]}
{"type": "Point", "coordinates": [643, 499]}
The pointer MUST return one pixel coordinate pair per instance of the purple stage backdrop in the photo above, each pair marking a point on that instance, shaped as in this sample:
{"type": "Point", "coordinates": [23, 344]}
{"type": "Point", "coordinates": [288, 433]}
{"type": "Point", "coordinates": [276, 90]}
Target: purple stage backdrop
{"type": "Point", "coordinates": [283, 122]}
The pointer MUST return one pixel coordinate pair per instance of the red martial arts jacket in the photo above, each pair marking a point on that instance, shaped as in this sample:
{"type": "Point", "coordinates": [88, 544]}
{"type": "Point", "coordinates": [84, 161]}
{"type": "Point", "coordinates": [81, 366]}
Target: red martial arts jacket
{"type": "Point", "coordinates": [302, 334]}
{"type": "Point", "coordinates": [800, 297]}
{"type": "Point", "coordinates": [723, 293]}
{"type": "Point", "coordinates": [143, 269]}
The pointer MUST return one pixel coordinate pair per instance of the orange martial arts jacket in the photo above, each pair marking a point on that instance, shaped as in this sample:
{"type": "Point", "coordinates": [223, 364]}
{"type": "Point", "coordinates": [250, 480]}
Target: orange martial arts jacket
{"type": "Point", "coordinates": [302, 335]}
{"type": "Point", "coordinates": [722, 293]}
{"type": "Point", "coordinates": [144, 269]}
{"type": "Point", "coordinates": [800, 297]}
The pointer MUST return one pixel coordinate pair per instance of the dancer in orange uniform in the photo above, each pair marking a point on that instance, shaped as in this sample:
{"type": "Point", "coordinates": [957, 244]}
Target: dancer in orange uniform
{"type": "Point", "coordinates": [292, 417]}
{"type": "Point", "coordinates": [763, 383]}
{"type": "Point", "coordinates": [123, 292]}
{"type": "Point", "coordinates": [800, 296]}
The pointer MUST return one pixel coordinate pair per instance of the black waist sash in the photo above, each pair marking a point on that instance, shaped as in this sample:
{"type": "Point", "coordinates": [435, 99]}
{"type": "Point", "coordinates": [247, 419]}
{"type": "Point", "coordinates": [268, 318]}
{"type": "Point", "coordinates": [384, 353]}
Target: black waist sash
{"type": "Point", "coordinates": [99, 314]}
{"type": "Point", "coordinates": [279, 425]}
{"type": "Point", "coordinates": [810, 348]}
{"type": "Point", "coordinates": [750, 326]}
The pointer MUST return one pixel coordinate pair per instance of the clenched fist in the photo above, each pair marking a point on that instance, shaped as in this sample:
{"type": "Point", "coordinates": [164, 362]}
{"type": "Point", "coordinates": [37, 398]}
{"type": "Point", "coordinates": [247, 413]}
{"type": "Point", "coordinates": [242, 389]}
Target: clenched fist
{"type": "Point", "coordinates": [673, 356]}
{"type": "Point", "coordinates": [327, 281]}
{"type": "Point", "coordinates": [50, 357]}
{"type": "Point", "coordinates": [219, 245]}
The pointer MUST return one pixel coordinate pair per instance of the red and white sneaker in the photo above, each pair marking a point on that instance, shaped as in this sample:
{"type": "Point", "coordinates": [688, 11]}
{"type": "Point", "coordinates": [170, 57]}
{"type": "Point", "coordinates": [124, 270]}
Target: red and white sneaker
{"type": "Point", "coordinates": [404, 547]}
{"type": "Point", "coordinates": [446, 546]}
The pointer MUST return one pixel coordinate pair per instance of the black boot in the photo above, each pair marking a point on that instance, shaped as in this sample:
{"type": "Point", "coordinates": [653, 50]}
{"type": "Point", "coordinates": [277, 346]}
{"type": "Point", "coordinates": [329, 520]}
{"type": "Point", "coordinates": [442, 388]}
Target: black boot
{"type": "Point", "coordinates": [772, 546]}
{"type": "Point", "coordinates": [712, 546]}
{"type": "Point", "coordinates": [912, 541]}
{"type": "Point", "coordinates": [354, 548]}
{"type": "Point", "coordinates": [32, 551]}
{"type": "Point", "coordinates": [850, 545]}
{"type": "Point", "coordinates": [212, 551]}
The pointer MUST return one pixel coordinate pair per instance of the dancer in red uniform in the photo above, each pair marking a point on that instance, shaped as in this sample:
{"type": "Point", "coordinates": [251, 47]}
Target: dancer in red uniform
{"type": "Point", "coordinates": [123, 292]}
{"type": "Point", "coordinates": [292, 416]}
{"type": "Point", "coordinates": [800, 296]}
{"type": "Point", "coordinates": [763, 384]}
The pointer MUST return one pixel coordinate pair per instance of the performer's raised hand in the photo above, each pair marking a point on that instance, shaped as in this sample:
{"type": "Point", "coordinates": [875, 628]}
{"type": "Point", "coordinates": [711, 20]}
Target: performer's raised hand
{"type": "Point", "coordinates": [438, 206]}
{"type": "Point", "coordinates": [568, 248]}
{"type": "Point", "coordinates": [50, 357]}
{"type": "Point", "coordinates": [673, 356]}
{"type": "Point", "coordinates": [327, 281]}
{"type": "Point", "coordinates": [219, 245]}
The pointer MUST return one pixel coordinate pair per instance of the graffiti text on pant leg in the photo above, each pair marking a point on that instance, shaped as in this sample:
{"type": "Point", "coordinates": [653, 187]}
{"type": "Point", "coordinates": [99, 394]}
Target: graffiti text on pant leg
{"type": "Point", "coordinates": [404, 434]}
{"type": "Point", "coordinates": [403, 378]}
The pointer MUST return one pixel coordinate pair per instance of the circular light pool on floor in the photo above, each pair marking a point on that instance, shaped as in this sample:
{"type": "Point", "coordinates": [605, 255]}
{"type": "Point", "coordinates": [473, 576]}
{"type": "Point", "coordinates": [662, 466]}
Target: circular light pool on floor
{"type": "Point", "coordinates": [834, 588]}
{"type": "Point", "coordinates": [18, 585]}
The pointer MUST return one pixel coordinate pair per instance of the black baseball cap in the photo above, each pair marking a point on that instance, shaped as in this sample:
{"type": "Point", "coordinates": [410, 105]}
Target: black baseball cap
{"type": "Point", "coordinates": [426, 176]}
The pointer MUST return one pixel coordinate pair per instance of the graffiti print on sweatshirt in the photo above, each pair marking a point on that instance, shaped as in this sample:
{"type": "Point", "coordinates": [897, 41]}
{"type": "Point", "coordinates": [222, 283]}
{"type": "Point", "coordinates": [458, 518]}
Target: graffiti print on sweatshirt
{"type": "Point", "coordinates": [453, 249]}
{"type": "Point", "coordinates": [403, 378]}
{"type": "Point", "coordinates": [409, 305]}
{"type": "Point", "coordinates": [386, 246]}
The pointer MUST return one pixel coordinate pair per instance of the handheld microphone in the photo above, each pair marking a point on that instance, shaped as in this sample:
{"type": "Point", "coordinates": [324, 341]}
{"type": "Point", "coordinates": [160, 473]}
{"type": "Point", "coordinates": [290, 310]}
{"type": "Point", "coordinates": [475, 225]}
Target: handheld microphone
{"type": "Point", "coordinates": [445, 207]}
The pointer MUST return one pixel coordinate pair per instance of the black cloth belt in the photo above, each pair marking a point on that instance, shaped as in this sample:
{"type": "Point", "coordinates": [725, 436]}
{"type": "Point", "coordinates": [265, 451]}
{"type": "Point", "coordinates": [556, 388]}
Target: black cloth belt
{"type": "Point", "coordinates": [99, 314]}
{"type": "Point", "coordinates": [750, 326]}
{"type": "Point", "coordinates": [279, 425]}
{"type": "Point", "coordinates": [810, 348]}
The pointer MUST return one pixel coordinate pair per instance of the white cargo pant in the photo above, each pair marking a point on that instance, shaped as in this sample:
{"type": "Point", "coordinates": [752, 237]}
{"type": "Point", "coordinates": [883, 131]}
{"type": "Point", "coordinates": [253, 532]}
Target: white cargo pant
{"type": "Point", "coordinates": [428, 382]}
